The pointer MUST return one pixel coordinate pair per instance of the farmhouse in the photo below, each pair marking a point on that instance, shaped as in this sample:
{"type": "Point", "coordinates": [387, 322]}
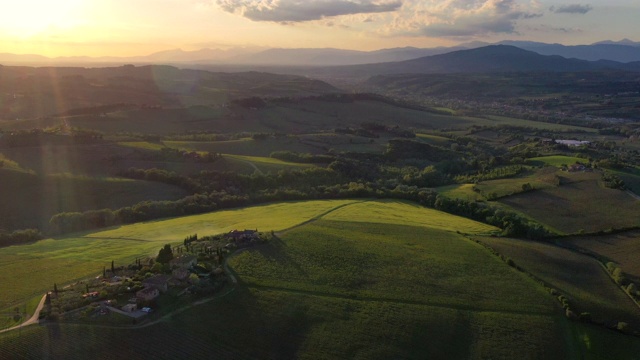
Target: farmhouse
{"type": "Point", "coordinates": [130, 308]}
{"type": "Point", "coordinates": [180, 274]}
{"type": "Point", "coordinates": [576, 167]}
{"type": "Point", "coordinates": [243, 238]}
{"type": "Point", "coordinates": [572, 142]}
{"type": "Point", "coordinates": [246, 235]}
{"type": "Point", "coordinates": [183, 262]}
{"type": "Point", "coordinates": [92, 294]}
{"type": "Point", "coordinates": [147, 294]}
{"type": "Point", "coordinates": [159, 282]}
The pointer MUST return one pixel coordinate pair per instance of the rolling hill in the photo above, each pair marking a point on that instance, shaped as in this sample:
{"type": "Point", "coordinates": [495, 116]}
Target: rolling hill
{"type": "Point", "coordinates": [30, 92]}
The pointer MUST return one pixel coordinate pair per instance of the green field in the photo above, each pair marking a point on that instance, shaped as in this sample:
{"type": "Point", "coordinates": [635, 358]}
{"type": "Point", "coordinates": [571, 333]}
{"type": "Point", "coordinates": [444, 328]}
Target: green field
{"type": "Point", "coordinates": [460, 191]}
{"type": "Point", "coordinates": [556, 160]}
{"type": "Point", "coordinates": [28, 270]}
{"type": "Point", "coordinates": [580, 278]}
{"type": "Point", "coordinates": [383, 261]}
{"type": "Point", "coordinates": [348, 279]}
{"type": "Point", "coordinates": [145, 145]}
{"type": "Point", "coordinates": [248, 147]}
{"type": "Point", "coordinates": [403, 213]}
{"type": "Point", "coordinates": [266, 164]}
{"type": "Point", "coordinates": [499, 188]}
{"type": "Point", "coordinates": [434, 139]}
{"type": "Point", "coordinates": [502, 120]}
{"type": "Point", "coordinates": [340, 289]}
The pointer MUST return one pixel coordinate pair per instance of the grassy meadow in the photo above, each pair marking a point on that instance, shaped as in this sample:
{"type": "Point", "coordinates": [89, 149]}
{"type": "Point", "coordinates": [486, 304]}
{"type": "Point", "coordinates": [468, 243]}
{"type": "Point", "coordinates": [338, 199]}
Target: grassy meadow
{"type": "Point", "coordinates": [556, 160]}
{"type": "Point", "coordinates": [403, 213]}
{"type": "Point", "coordinates": [540, 179]}
{"type": "Point", "coordinates": [247, 147]}
{"type": "Point", "coordinates": [266, 164]}
{"type": "Point", "coordinates": [352, 279]}
{"type": "Point", "coordinates": [460, 191]}
{"type": "Point", "coordinates": [435, 139]}
{"type": "Point", "coordinates": [335, 288]}
{"type": "Point", "coordinates": [28, 270]}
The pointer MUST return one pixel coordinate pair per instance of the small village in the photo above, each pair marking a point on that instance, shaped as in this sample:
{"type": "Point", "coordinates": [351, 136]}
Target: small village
{"type": "Point", "coordinates": [152, 286]}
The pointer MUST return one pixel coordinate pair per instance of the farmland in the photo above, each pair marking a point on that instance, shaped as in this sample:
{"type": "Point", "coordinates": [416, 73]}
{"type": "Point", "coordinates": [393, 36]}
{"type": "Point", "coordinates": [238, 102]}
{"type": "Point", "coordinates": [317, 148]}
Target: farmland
{"type": "Point", "coordinates": [247, 147]}
{"type": "Point", "coordinates": [402, 213]}
{"type": "Point", "coordinates": [556, 160]}
{"type": "Point", "coordinates": [580, 203]}
{"type": "Point", "coordinates": [32, 269]}
{"type": "Point", "coordinates": [578, 277]}
{"type": "Point", "coordinates": [620, 248]}
{"type": "Point", "coordinates": [36, 198]}
{"type": "Point", "coordinates": [340, 289]}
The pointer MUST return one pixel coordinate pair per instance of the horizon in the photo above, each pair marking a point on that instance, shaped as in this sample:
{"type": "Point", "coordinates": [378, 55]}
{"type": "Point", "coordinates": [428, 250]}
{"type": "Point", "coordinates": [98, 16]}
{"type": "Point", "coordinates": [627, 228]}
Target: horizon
{"type": "Point", "coordinates": [259, 49]}
{"type": "Point", "coordinates": [110, 28]}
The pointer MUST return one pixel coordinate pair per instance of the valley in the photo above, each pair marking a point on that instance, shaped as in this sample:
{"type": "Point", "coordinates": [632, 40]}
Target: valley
{"type": "Point", "coordinates": [484, 198]}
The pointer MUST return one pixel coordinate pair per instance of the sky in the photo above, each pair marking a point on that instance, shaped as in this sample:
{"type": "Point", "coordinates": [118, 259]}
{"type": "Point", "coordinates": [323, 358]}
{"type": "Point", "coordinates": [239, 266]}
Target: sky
{"type": "Point", "coordinates": [141, 27]}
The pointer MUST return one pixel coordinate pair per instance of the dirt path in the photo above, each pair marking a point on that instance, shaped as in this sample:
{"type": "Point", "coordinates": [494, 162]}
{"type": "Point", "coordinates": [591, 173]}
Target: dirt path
{"type": "Point", "coordinates": [255, 168]}
{"type": "Point", "coordinates": [318, 217]}
{"type": "Point", "coordinates": [33, 319]}
{"type": "Point", "coordinates": [633, 195]}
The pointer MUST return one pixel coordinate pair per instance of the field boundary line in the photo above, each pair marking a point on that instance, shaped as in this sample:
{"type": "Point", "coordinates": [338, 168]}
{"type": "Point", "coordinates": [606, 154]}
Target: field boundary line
{"type": "Point", "coordinates": [320, 216]}
{"type": "Point", "coordinates": [396, 301]}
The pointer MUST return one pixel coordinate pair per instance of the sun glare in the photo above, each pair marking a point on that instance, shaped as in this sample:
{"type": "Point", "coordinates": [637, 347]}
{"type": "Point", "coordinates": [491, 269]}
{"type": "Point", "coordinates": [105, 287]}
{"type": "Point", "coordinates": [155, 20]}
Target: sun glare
{"type": "Point", "coordinates": [23, 18]}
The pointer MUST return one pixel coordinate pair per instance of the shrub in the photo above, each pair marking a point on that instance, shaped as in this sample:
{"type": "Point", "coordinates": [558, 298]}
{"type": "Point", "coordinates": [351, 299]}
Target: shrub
{"type": "Point", "coordinates": [585, 317]}
{"type": "Point", "coordinates": [622, 326]}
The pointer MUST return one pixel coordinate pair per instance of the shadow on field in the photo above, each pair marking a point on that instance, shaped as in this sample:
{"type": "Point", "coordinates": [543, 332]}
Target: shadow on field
{"type": "Point", "coordinates": [275, 250]}
{"type": "Point", "coordinates": [264, 324]}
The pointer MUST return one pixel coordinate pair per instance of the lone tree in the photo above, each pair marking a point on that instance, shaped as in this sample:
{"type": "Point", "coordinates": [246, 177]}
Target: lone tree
{"type": "Point", "coordinates": [165, 254]}
{"type": "Point", "coordinates": [55, 288]}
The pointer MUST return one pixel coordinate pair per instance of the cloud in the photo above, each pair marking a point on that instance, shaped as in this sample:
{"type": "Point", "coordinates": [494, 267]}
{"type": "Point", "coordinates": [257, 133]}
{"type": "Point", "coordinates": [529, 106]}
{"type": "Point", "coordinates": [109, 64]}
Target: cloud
{"type": "Point", "coordinates": [462, 18]}
{"type": "Point", "coordinates": [304, 10]}
{"type": "Point", "coordinates": [571, 9]}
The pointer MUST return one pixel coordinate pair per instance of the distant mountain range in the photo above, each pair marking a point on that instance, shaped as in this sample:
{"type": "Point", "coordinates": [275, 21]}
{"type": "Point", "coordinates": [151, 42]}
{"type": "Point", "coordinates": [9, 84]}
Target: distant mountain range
{"type": "Point", "coordinates": [620, 51]}
{"type": "Point", "coordinates": [488, 59]}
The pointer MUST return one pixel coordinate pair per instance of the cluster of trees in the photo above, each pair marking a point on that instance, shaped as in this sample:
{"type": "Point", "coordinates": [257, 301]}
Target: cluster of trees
{"type": "Point", "coordinates": [407, 149]}
{"type": "Point", "coordinates": [427, 177]}
{"type": "Point", "coordinates": [165, 254]}
{"type": "Point", "coordinates": [189, 239]}
{"type": "Point", "coordinates": [38, 137]}
{"type": "Point", "coordinates": [302, 157]}
{"type": "Point", "coordinates": [162, 176]}
{"type": "Point", "coordinates": [293, 188]}
{"type": "Point", "coordinates": [492, 174]}
{"type": "Point", "coordinates": [612, 181]}
{"type": "Point", "coordinates": [19, 237]}
{"type": "Point", "coordinates": [171, 154]}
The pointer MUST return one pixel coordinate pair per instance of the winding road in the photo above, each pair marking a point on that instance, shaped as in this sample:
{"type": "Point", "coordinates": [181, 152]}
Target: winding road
{"type": "Point", "coordinates": [33, 319]}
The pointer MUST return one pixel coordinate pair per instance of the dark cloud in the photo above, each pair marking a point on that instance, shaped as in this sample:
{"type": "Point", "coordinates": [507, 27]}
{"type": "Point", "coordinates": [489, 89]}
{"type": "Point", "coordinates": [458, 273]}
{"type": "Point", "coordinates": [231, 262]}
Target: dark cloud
{"type": "Point", "coordinates": [305, 10]}
{"type": "Point", "coordinates": [504, 23]}
{"type": "Point", "coordinates": [571, 9]}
